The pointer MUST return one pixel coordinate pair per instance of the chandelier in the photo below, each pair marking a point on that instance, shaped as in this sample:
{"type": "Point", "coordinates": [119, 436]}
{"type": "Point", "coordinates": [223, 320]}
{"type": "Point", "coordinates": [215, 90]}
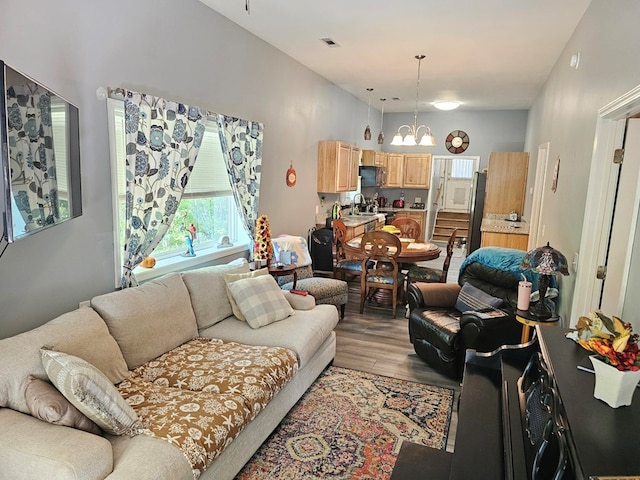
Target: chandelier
{"type": "Point", "coordinates": [413, 131]}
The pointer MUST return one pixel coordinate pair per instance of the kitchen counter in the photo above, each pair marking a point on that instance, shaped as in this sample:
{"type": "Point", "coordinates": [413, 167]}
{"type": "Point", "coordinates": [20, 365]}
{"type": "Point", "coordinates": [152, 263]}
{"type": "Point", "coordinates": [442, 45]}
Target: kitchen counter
{"type": "Point", "coordinates": [497, 231]}
{"type": "Point", "coordinates": [357, 220]}
{"type": "Point", "coordinates": [406, 209]}
{"type": "Point", "coordinates": [498, 223]}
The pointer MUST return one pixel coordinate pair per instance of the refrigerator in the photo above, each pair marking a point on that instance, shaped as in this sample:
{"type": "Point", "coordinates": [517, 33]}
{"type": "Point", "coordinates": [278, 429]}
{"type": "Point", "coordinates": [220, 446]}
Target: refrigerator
{"type": "Point", "coordinates": [476, 210]}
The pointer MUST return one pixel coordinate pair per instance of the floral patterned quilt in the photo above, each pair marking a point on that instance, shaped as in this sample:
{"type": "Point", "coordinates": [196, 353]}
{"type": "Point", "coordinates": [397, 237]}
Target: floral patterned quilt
{"type": "Point", "coordinates": [200, 395]}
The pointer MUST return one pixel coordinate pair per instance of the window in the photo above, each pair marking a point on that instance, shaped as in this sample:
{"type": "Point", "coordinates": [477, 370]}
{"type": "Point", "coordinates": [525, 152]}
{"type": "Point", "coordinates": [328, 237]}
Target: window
{"type": "Point", "coordinates": [207, 204]}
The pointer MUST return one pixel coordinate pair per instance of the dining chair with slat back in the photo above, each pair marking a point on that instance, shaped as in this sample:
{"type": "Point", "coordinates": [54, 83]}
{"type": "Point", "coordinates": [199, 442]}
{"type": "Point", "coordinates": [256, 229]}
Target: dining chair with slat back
{"type": "Point", "coordinates": [383, 248]}
{"type": "Point", "coordinates": [433, 275]}
{"type": "Point", "coordinates": [409, 228]}
{"type": "Point", "coordinates": [344, 267]}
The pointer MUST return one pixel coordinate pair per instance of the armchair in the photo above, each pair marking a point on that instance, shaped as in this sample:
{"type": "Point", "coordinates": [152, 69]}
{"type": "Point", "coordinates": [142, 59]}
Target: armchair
{"type": "Point", "coordinates": [441, 333]}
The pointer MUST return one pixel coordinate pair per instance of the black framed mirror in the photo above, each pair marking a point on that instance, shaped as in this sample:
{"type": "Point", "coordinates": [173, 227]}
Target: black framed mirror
{"type": "Point", "coordinates": [40, 153]}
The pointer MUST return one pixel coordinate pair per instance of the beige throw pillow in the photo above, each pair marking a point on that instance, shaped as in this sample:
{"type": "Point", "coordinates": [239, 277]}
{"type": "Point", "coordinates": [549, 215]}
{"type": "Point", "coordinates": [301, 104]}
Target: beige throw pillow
{"type": "Point", "coordinates": [48, 404]}
{"type": "Point", "coordinates": [91, 392]}
{"type": "Point", "coordinates": [260, 300]}
{"type": "Point", "coordinates": [229, 278]}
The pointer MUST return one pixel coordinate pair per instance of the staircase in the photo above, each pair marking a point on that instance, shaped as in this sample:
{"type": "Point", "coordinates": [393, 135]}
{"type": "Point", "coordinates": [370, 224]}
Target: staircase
{"type": "Point", "coordinates": [446, 222]}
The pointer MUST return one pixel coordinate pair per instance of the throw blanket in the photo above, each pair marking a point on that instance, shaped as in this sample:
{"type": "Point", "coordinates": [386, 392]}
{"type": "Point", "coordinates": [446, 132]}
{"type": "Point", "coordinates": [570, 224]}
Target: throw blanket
{"type": "Point", "coordinates": [200, 395]}
{"type": "Point", "coordinates": [506, 259]}
{"type": "Point", "coordinates": [297, 246]}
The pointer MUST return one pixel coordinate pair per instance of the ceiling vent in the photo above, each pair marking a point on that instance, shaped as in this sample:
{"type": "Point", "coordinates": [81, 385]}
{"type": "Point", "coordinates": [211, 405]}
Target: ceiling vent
{"type": "Point", "coordinates": [330, 43]}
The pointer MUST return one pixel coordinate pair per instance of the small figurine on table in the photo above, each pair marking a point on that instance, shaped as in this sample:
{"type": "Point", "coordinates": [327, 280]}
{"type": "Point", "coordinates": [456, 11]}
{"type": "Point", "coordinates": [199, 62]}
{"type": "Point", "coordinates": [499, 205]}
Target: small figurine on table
{"type": "Point", "coordinates": [189, 239]}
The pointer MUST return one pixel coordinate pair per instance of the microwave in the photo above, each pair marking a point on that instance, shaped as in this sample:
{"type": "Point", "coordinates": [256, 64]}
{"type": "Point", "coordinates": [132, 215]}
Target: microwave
{"type": "Point", "coordinates": [371, 176]}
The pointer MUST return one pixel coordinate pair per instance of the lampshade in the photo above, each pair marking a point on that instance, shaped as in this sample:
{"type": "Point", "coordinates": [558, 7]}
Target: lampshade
{"type": "Point", "coordinates": [545, 261]}
{"type": "Point", "coordinates": [409, 139]}
{"type": "Point", "coordinates": [367, 130]}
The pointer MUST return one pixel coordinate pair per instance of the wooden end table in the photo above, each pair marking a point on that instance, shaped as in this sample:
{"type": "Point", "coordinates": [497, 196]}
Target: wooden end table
{"type": "Point", "coordinates": [529, 320]}
{"type": "Point", "coordinates": [280, 270]}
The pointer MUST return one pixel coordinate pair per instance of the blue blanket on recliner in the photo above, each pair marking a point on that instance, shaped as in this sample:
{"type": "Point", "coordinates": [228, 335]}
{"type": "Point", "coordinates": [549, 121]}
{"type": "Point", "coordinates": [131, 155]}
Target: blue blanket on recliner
{"type": "Point", "coordinates": [506, 259]}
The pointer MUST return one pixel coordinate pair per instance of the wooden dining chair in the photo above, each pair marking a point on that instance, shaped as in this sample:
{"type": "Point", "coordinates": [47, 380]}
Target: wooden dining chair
{"type": "Point", "coordinates": [417, 273]}
{"type": "Point", "coordinates": [409, 228]}
{"type": "Point", "coordinates": [344, 268]}
{"type": "Point", "coordinates": [383, 248]}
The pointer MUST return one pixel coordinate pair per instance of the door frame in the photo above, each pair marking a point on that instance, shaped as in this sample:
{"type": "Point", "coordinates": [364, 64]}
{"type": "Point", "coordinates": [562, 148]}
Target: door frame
{"type": "Point", "coordinates": [537, 203]}
{"type": "Point", "coordinates": [609, 135]}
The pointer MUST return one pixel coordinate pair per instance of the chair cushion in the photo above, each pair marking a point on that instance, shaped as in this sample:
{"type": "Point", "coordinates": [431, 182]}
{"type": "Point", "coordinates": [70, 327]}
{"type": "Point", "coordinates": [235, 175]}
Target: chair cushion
{"type": "Point", "coordinates": [350, 265]}
{"type": "Point", "coordinates": [386, 280]}
{"type": "Point", "coordinates": [474, 299]}
{"type": "Point", "coordinates": [439, 327]}
{"type": "Point", "coordinates": [424, 274]}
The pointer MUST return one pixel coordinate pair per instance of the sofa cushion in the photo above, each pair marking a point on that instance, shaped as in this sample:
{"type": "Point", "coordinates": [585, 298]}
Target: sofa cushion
{"type": "Point", "coordinates": [260, 300]}
{"type": "Point", "coordinates": [474, 299]}
{"type": "Point", "coordinates": [31, 448]}
{"type": "Point", "coordinates": [90, 392]}
{"type": "Point", "coordinates": [80, 332]}
{"type": "Point", "coordinates": [208, 291]}
{"type": "Point", "coordinates": [46, 403]}
{"type": "Point", "coordinates": [303, 332]}
{"type": "Point", "coordinates": [233, 277]}
{"type": "Point", "coordinates": [149, 320]}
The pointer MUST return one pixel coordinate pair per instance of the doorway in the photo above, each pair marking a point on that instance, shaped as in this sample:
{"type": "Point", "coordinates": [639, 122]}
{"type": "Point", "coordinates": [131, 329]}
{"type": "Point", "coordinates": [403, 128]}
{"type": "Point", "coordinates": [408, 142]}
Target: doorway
{"type": "Point", "coordinates": [609, 136]}
{"type": "Point", "coordinates": [535, 227]}
{"type": "Point", "coordinates": [457, 182]}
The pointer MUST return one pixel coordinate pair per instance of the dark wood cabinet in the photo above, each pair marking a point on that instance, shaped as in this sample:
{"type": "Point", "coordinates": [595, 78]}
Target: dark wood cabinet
{"type": "Point", "coordinates": [497, 436]}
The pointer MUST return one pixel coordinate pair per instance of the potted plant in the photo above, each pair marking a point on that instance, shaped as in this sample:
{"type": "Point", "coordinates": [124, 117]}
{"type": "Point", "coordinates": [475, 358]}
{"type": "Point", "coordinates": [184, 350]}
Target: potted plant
{"type": "Point", "coordinates": [616, 359]}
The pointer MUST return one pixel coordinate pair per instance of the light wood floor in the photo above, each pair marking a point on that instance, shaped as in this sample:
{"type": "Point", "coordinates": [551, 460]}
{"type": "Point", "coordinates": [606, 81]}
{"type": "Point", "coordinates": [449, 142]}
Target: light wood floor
{"type": "Point", "coordinates": [377, 343]}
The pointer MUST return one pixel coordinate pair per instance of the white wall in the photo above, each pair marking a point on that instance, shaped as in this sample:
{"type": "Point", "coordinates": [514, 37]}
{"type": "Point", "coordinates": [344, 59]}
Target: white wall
{"type": "Point", "coordinates": [565, 114]}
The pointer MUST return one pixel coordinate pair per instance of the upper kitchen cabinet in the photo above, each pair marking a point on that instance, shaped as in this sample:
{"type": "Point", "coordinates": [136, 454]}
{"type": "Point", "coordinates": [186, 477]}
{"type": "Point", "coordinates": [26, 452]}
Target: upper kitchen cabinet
{"type": "Point", "coordinates": [374, 158]}
{"type": "Point", "coordinates": [417, 170]}
{"type": "Point", "coordinates": [506, 182]}
{"type": "Point", "coordinates": [337, 166]}
{"type": "Point", "coordinates": [395, 170]}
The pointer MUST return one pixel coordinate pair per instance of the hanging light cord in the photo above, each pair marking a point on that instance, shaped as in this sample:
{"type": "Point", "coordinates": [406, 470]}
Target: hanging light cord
{"type": "Point", "coordinates": [247, 7]}
{"type": "Point", "coordinates": [415, 113]}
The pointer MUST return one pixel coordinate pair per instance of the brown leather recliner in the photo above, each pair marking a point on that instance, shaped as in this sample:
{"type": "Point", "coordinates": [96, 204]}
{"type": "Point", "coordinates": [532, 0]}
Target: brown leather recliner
{"type": "Point", "coordinates": [441, 334]}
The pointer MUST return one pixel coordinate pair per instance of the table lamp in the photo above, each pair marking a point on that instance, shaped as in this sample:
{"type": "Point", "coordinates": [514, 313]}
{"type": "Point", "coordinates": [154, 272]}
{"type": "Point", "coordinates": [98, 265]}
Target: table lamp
{"type": "Point", "coordinates": [545, 261]}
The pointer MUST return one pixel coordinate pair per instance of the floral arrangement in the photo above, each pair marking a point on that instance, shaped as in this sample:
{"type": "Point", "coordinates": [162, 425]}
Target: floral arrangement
{"type": "Point", "coordinates": [619, 348]}
{"type": "Point", "coordinates": [263, 250]}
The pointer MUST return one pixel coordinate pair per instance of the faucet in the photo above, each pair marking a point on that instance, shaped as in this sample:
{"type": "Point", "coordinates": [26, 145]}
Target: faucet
{"type": "Point", "coordinates": [353, 202]}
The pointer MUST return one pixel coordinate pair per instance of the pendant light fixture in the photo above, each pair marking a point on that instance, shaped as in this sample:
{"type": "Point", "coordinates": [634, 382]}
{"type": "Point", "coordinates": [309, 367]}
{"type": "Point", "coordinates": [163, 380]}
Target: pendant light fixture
{"type": "Point", "coordinates": [381, 134]}
{"type": "Point", "coordinates": [413, 130]}
{"type": "Point", "coordinates": [367, 131]}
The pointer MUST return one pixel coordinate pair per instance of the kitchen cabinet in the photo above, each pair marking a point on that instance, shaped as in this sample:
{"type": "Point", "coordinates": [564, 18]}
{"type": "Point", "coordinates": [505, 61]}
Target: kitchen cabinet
{"type": "Point", "coordinates": [395, 170]}
{"type": "Point", "coordinates": [417, 170]}
{"type": "Point", "coordinates": [418, 216]}
{"type": "Point", "coordinates": [505, 240]}
{"type": "Point", "coordinates": [506, 182]}
{"type": "Point", "coordinates": [337, 166]}
{"type": "Point", "coordinates": [374, 158]}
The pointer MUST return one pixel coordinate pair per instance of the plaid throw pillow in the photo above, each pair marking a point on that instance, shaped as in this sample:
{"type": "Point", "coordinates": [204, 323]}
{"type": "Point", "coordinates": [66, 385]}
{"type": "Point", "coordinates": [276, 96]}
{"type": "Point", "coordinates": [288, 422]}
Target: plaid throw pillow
{"type": "Point", "coordinates": [260, 300]}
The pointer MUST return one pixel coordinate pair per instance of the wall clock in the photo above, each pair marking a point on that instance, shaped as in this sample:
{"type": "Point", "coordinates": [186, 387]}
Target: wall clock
{"type": "Point", "coordinates": [457, 141]}
{"type": "Point", "coordinates": [291, 176]}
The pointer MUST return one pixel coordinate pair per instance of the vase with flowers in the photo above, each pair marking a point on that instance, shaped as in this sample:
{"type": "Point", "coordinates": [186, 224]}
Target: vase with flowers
{"type": "Point", "coordinates": [616, 359]}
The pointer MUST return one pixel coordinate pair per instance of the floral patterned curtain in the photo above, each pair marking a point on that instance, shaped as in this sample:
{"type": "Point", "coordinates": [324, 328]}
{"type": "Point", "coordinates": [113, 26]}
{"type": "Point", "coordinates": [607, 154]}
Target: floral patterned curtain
{"type": "Point", "coordinates": [33, 168]}
{"type": "Point", "coordinates": [241, 142]}
{"type": "Point", "coordinates": [162, 142]}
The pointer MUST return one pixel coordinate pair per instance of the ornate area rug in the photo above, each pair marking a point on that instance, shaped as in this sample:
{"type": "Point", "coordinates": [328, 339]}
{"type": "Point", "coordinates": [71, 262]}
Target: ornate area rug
{"type": "Point", "coordinates": [350, 425]}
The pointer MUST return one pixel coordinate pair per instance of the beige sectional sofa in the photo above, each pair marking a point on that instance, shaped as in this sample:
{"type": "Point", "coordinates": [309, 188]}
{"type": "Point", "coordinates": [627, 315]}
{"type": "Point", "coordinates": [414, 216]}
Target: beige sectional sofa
{"type": "Point", "coordinates": [122, 335]}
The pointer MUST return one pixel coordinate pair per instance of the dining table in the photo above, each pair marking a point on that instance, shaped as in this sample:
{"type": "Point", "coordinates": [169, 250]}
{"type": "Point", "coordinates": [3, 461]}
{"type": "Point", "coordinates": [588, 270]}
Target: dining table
{"type": "Point", "coordinates": [411, 252]}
